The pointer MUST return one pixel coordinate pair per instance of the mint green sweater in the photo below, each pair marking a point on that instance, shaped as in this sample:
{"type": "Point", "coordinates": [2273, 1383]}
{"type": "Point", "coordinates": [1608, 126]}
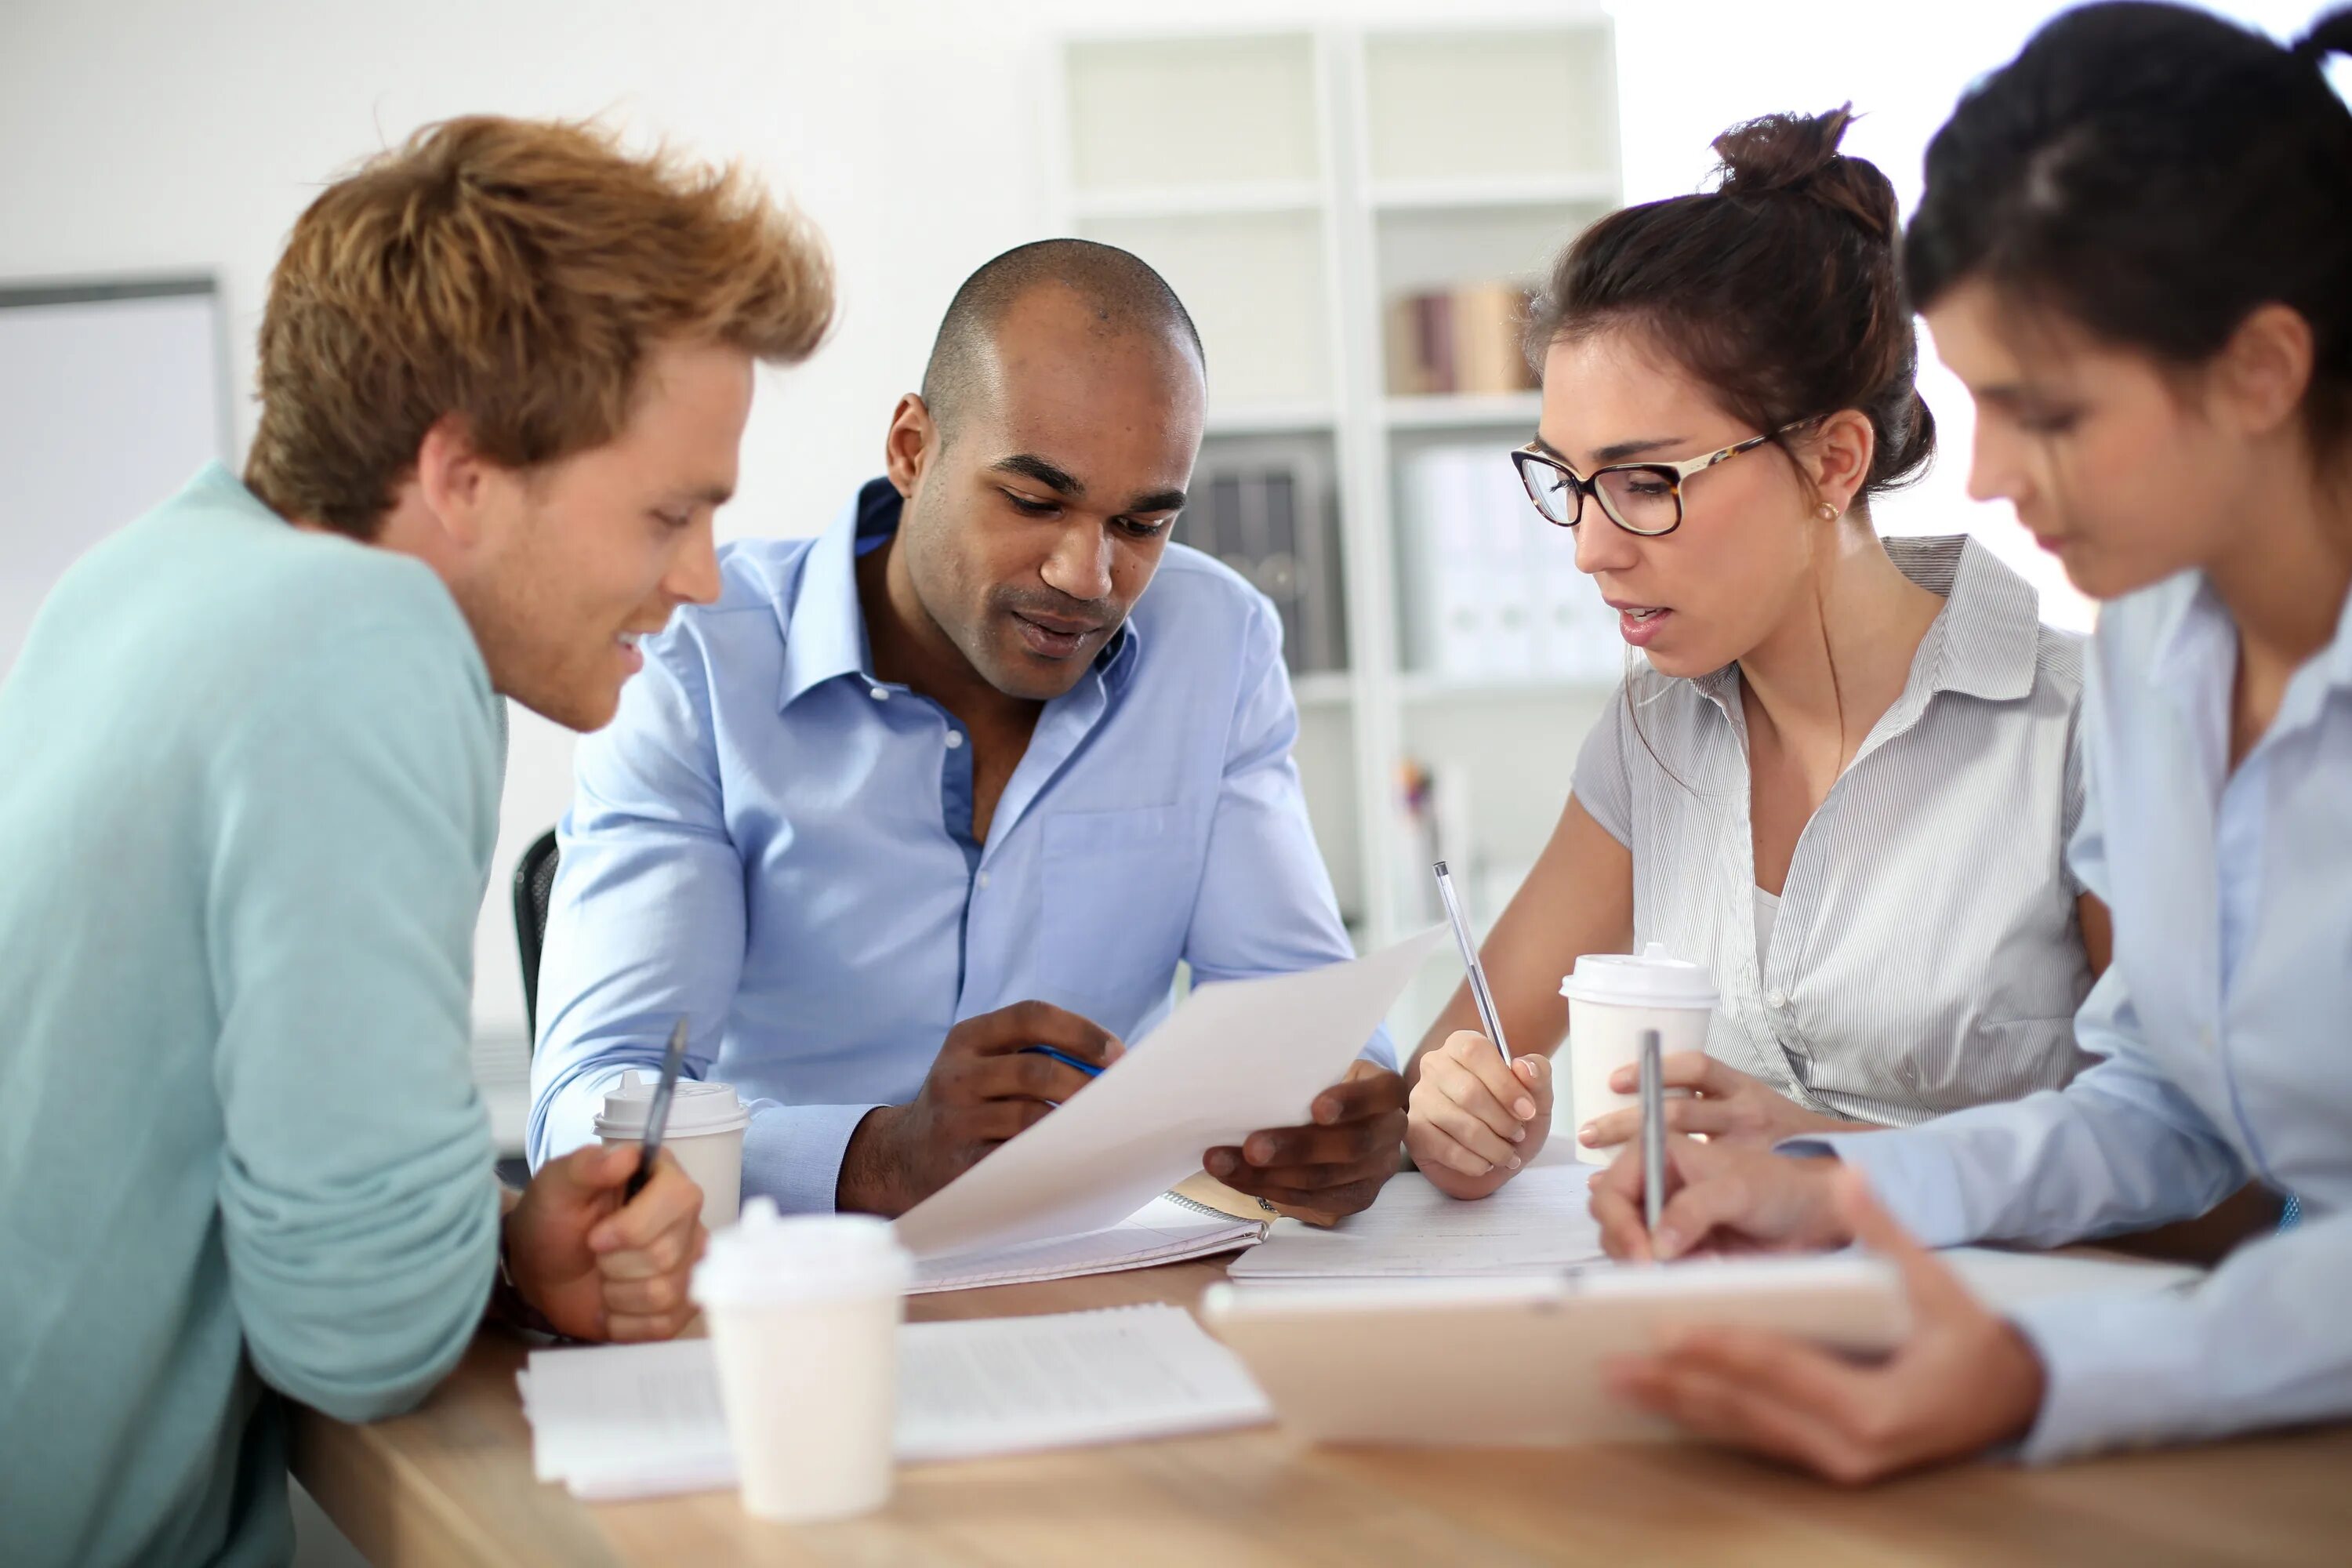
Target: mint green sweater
{"type": "Point", "coordinates": [248, 790]}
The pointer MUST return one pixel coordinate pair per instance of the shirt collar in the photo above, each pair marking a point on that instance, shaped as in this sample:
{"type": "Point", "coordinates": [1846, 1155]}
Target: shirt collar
{"type": "Point", "coordinates": [2339, 652]}
{"type": "Point", "coordinates": [1987, 639]}
{"type": "Point", "coordinates": [1986, 642]}
{"type": "Point", "coordinates": [2189, 637]}
{"type": "Point", "coordinates": [824, 629]}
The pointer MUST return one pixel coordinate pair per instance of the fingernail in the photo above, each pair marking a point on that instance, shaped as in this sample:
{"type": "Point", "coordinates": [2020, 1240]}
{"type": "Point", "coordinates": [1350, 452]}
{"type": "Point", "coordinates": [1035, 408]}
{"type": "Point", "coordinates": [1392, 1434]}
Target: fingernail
{"type": "Point", "coordinates": [1519, 1134]}
{"type": "Point", "coordinates": [1257, 1153]}
{"type": "Point", "coordinates": [1221, 1163]}
{"type": "Point", "coordinates": [1326, 1112]}
{"type": "Point", "coordinates": [1523, 1108]}
{"type": "Point", "coordinates": [601, 1240]}
{"type": "Point", "coordinates": [1665, 1241]}
{"type": "Point", "coordinates": [1515, 1161]}
{"type": "Point", "coordinates": [1585, 1134]}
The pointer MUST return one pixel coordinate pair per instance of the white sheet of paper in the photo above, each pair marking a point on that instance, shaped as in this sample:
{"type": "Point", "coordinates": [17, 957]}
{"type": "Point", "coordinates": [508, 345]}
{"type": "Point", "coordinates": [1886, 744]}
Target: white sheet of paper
{"type": "Point", "coordinates": [1534, 1224]}
{"type": "Point", "coordinates": [612, 1422]}
{"type": "Point", "coordinates": [1233, 1058]}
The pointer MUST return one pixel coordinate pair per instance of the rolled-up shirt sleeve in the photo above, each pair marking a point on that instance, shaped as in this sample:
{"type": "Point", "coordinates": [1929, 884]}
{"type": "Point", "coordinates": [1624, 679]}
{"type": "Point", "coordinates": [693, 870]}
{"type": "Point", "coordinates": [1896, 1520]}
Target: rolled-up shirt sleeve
{"type": "Point", "coordinates": [646, 923]}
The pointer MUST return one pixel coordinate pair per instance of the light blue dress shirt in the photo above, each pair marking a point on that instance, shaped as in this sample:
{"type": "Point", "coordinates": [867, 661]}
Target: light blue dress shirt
{"type": "Point", "coordinates": [2225, 1023]}
{"type": "Point", "coordinates": [774, 843]}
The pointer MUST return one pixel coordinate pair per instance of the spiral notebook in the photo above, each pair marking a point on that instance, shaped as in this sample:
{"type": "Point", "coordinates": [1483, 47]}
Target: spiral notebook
{"type": "Point", "coordinates": [1192, 1221]}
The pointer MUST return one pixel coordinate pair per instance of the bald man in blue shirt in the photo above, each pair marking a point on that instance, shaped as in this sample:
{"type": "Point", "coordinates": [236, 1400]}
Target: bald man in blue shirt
{"type": "Point", "coordinates": [944, 782]}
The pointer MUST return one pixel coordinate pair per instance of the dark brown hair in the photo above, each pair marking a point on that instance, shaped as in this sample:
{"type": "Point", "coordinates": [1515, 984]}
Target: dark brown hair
{"type": "Point", "coordinates": [1778, 291]}
{"type": "Point", "coordinates": [2155, 174]}
{"type": "Point", "coordinates": [514, 273]}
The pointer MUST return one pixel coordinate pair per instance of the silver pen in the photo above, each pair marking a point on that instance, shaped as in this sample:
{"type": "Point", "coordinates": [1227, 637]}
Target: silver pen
{"type": "Point", "coordinates": [1477, 971]}
{"type": "Point", "coordinates": [658, 1113]}
{"type": "Point", "coordinates": [1653, 1131]}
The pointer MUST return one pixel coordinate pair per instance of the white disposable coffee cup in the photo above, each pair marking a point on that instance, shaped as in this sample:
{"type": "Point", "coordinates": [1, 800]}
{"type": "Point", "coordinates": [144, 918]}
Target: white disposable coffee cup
{"type": "Point", "coordinates": [1612, 998]}
{"type": "Point", "coordinates": [803, 1315]}
{"type": "Point", "coordinates": [704, 1131]}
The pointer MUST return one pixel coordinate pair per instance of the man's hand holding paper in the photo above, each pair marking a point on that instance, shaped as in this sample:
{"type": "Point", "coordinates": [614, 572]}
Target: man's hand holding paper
{"type": "Point", "coordinates": [986, 1086]}
{"type": "Point", "coordinates": [1336, 1164]}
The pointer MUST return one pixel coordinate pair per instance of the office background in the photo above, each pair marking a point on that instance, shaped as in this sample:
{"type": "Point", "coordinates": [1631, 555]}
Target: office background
{"type": "Point", "coordinates": [1374, 191]}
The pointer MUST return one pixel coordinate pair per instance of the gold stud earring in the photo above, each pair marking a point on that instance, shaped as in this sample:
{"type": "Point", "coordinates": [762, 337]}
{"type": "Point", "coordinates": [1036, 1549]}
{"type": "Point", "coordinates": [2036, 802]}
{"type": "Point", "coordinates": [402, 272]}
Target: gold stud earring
{"type": "Point", "coordinates": [1828, 512]}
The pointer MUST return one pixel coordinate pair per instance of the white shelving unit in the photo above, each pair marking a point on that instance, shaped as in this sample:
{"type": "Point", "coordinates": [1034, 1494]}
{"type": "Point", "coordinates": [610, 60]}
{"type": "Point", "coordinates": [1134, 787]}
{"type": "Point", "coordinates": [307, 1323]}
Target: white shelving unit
{"type": "Point", "coordinates": [1289, 183]}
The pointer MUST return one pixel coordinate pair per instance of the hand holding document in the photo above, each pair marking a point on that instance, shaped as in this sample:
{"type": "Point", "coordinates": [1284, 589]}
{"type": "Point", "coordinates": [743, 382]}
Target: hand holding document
{"type": "Point", "coordinates": [1234, 1059]}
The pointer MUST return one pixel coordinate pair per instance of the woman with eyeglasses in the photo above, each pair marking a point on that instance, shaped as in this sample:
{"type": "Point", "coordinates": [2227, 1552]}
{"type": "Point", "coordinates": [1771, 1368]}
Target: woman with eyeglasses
{"type": "Point", "coordinates": [1842, 773]}
{"type": "Point", "coordinates": [2134, 247]}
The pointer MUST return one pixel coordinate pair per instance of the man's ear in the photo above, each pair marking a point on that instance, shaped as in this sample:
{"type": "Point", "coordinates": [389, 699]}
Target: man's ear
{"type": "Point", "coordinates": [910, 445]}
{"type": "Point", "coordinates": [454, 479]}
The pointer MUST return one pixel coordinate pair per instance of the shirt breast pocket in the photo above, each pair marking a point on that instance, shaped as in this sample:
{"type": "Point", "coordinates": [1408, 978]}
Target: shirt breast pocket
{"type": "Point", "coordinates": [1115, 890]}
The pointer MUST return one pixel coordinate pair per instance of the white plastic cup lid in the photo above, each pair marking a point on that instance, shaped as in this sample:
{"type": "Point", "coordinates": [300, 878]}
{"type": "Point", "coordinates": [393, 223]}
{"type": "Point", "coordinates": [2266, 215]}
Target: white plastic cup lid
{"type": "Point", "coordinates": [1651, 978]}
{"type": "Point", "coordinates": [766, 1258]}
{"type": "Point", "coordinates": [695, 1108]}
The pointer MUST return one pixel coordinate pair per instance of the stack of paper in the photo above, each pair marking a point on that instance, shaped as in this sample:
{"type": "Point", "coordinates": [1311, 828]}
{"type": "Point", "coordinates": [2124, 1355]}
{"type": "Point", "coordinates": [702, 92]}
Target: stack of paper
{"type": "Point", "coordinates": [1168, 1229]}
{"type": "Point", "coordinates": [1536, 1224]}
{"type": "Point", "coordinates": [624, 1421]}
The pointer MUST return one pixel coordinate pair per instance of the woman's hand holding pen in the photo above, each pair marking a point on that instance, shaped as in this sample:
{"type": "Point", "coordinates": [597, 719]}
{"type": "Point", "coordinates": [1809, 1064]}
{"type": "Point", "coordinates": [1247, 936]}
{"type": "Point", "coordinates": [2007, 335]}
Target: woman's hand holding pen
{"type": "Point", "coordinates": [1961, 1380]}
{"type": "Point", "coordinates": [1720, 1198]}
{"type": "Point", "coordinates": [1473, 1122]}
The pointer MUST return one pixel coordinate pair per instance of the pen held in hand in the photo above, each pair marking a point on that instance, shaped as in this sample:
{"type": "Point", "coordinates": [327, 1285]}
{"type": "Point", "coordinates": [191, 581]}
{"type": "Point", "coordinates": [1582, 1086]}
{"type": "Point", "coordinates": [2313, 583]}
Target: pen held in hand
{"type": "Point", "coordinates": [1470, 965]}
{"type": "Point", "coordinates": [1653, 1131]}
{"type": "Point", "coordinates": [1067, 1061]}
{"type": "Point", "coordinates": [657, 1113]}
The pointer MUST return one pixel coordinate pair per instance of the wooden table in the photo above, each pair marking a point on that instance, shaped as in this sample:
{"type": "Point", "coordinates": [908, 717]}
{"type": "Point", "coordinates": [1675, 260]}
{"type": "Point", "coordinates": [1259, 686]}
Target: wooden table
{"type": "Point", "coordinates": [451, 1486]}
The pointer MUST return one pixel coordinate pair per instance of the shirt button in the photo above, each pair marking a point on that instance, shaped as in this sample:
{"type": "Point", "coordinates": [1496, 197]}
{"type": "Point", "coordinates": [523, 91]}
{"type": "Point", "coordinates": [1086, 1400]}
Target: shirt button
{"type": "Point", "coordinates": [980, 880]}
{"type": "Point", "coordinates": [955, 739]}
{"type": "Point", "coordinates": [1775, 999]}
{"type": "Point", "coordinates": [879, 695]}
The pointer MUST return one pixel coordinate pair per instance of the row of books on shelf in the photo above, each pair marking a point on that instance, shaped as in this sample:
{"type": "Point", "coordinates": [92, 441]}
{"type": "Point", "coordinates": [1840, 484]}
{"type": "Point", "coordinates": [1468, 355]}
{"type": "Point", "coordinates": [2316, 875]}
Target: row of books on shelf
{"type": "Point", "coordinates": [1491, 590]}
{"type": "Point", "coordinates": [1266, 507]}
{"type": "Point", "coordinates": [1463, 340]}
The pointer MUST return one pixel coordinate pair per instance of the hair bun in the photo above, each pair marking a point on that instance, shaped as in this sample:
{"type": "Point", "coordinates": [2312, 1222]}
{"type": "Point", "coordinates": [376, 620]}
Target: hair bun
{"type": "Point", "coordinates": [1799, 153]}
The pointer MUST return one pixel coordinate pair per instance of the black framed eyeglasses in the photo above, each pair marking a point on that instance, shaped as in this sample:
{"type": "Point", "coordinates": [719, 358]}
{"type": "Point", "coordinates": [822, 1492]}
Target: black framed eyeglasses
{"type": "Point", "coordinates": [1639, 498]}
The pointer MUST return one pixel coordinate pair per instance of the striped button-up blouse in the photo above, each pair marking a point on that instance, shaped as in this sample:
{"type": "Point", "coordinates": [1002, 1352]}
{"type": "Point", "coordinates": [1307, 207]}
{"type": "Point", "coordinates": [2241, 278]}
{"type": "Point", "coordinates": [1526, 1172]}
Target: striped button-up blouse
{"type": "Point", "coordinates": [1927, 954]}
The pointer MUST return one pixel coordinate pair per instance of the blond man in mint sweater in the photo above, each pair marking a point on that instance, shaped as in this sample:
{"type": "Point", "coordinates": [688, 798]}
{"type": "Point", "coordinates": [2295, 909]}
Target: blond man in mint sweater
{"type": "Point", "coordinates": [249, 772]}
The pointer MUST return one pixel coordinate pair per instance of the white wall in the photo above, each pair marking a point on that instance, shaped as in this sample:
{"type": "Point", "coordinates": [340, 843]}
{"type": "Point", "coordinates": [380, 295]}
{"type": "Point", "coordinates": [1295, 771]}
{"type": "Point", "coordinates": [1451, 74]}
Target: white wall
{"type": "Point", "coordinates": [151, 135]}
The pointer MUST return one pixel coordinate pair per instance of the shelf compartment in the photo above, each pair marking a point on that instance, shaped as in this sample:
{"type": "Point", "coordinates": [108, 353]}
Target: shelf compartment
{"type": "Point", "coordinates": [1248, 104]}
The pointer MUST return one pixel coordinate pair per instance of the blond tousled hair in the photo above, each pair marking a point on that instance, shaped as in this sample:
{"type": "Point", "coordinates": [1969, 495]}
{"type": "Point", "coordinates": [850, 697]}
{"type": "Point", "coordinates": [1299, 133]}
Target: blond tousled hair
{"type": "Point", "coordinates": [512, 273]}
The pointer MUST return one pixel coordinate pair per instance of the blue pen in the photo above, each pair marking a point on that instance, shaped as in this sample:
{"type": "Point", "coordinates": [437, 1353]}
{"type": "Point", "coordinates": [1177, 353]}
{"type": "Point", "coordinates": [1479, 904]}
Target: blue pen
{"type": "Point", "coordinates": [1065, 1059]}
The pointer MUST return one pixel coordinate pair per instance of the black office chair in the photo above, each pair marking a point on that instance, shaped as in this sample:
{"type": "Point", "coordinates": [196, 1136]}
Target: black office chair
{"type": "Point", "coordinates": [534, 880]}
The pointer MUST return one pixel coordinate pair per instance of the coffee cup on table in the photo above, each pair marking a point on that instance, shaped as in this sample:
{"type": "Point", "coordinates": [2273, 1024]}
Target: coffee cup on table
{"type": "Point", "coordinates": [706, 1133]}
{"type": "Point", "coordinates": [803, 1314]}
{"type": "Point", "coordinates": [1612, 997]}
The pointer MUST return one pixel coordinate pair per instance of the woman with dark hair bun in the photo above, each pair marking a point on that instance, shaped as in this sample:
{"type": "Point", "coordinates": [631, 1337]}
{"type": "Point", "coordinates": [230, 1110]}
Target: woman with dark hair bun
{"type": "Point", "coordinates": [1824, 724]}
{"type": "Point", "coordinates": [2135, 249]}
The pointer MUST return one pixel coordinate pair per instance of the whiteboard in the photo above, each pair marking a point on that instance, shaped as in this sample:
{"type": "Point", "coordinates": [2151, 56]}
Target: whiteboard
{"type": "Point", "coordinates": [112, 395]}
